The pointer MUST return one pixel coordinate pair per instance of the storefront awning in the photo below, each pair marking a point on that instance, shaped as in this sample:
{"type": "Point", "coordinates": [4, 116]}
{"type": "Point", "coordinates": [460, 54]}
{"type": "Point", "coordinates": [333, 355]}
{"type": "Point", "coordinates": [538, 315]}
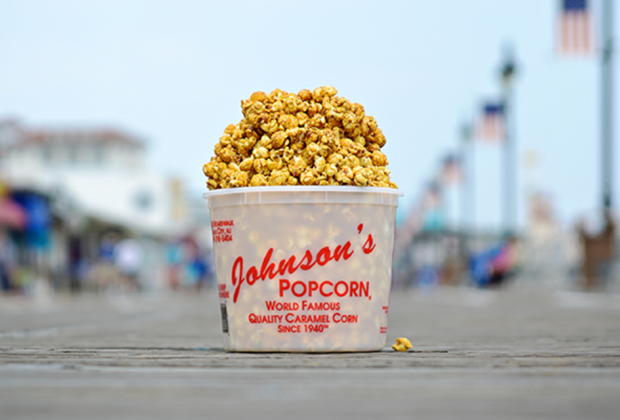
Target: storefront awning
{"type": "Point", "coordinates": [12, 215]}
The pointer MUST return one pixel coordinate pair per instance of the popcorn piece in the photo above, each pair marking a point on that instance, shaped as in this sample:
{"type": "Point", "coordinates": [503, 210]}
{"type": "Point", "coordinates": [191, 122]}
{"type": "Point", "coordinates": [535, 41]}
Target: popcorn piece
{"type": "Point", "coordinates": [402, 344]}
{"type": "Point", "coordinates": [310, 138]}
{"type": "Point", "coordinates": [279, 177]}
{"type": "Point", "coordinates": [258, 181]}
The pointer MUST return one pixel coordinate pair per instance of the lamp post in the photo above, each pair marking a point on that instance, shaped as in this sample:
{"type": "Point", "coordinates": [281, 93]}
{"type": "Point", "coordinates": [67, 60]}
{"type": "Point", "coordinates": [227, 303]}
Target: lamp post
{"type": "Point", "coordinates": [468, 197]}
{"type": "Point", "coordinates": [467, 187]}
{"type": "Point", "coordinates": [607, 101]}
{"type": "Point", "coordinates": [508, 71]}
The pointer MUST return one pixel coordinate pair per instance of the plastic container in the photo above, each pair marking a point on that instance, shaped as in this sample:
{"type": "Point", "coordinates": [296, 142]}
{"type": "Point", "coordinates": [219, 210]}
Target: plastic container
{"type": "Point", "coordinates": [303, 269]}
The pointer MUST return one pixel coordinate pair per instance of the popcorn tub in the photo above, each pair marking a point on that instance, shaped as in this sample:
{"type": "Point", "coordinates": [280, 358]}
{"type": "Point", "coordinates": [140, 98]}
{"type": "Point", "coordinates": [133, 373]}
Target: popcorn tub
{"type": "Point", "coordinates": [303, 269]}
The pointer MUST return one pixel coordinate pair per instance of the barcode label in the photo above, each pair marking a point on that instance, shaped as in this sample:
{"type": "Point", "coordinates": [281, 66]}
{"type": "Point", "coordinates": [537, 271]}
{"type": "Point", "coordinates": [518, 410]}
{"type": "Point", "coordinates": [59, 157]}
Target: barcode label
{"type": "Point", "coordinates": [224, 318]}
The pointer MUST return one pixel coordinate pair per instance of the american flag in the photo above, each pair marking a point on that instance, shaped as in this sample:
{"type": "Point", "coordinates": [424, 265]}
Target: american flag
{"type": "Point", "coordinates": [492, 125]}
{"type": "Point", "coordinates": [451, 171]}
{"type": "Point", "coordinates": [574, 28]}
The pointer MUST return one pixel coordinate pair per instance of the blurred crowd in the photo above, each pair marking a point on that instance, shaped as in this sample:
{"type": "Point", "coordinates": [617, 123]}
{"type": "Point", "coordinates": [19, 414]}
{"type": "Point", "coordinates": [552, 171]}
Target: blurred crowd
{"type": "Point", "coordinates": [584, 257]}
{"type": "Point", "coordinates": [123, 264]}
{"type": "Point", "coordinates": [40, 246]}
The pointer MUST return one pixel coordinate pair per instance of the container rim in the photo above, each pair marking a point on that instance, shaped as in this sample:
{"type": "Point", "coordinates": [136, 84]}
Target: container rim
{"type": "Point", "coordinates": [303, 188]}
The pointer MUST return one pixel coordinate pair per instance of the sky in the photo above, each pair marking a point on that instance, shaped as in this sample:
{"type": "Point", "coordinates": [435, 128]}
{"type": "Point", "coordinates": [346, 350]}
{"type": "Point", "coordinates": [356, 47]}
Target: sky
{"type": "Point", "coordinates": [174, 73]}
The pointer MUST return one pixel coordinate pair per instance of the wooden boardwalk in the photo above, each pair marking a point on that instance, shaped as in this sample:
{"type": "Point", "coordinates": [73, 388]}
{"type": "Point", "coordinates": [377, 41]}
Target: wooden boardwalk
{"type": "Point", "coordinates": [477, 354]}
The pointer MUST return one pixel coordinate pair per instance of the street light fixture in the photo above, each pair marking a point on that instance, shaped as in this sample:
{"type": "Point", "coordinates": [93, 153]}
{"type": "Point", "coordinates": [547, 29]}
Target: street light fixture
{"type": "Point", "coordinates": [508, 71]}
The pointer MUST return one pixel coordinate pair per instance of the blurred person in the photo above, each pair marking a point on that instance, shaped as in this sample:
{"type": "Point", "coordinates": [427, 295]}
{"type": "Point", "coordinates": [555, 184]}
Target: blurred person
{"type": "Point", "coordinates": [7, 262]}
{"type": "Point", "coordinates": [174, 261]}
{"type": "Point", "coordinates": [128, 260]}
{"type": "Point", "coordinates": [103, 275]}
{"type": "Point", "coordinates": [428, 277]}
{"type": "Point", "coordinates": [193, 266]}
{"type": "Point", "coordinates": [199, 268]}
{"type": "Point", "coordinates": [480, 266]}
{"type": "Point", "coordinates": [598, 250]}
{"type": "Point", "coordinates": [75, 264]}
{"type": "Point", "coordinates": [494, 266]}
{"type": "Point", "coordinates": [153, 271]}
{"type": "Point", "coordinates": [106, 247]}
{"type": "Point", "coordinates": [12, 217]}
{"type": "Point", "coordinates": [504, 264]}
{"type": "Point", "coordinates": [451, 271]}
{"type": "Point", "coordinates": [189, 274]}
{"type": "Point", "coordinates": [210, 280]}
{"type": "Point", "coordinates": [452, 267]}
{"type": "Point", "coordinates": [35, 240]}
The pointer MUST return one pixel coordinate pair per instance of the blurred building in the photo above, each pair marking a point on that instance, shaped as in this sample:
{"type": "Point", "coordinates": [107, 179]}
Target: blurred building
{"type": "Point", "coordinates": [85, 190]}
{"type": "Point", "coordinates": [96, 172]}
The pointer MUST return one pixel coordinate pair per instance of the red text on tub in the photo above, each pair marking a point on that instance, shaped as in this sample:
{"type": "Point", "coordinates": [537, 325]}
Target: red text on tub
{"type": "Point", "coordinates": [222, 230]}
{"type": "Point", "coordinates": [325, 288]}
{"type": "Point", "coordinates": [269, 270]}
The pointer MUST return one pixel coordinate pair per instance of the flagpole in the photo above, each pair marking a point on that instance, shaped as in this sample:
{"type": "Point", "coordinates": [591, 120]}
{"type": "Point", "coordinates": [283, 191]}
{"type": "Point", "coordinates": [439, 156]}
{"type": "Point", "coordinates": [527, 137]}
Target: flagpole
{"type": "Point", "coordinates": [467, 197]}
{"type": "Point", "coordinates": [607, 102]}
{"type": "Point", "coordinates": [508, 71]}
{"type": "Point", "coordinates": [467, 185]}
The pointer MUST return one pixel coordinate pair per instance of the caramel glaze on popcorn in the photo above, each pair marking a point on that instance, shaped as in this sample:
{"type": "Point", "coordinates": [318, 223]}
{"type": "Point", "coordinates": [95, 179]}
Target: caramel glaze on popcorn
{"type": "Point", "coordinates": [312, 138]}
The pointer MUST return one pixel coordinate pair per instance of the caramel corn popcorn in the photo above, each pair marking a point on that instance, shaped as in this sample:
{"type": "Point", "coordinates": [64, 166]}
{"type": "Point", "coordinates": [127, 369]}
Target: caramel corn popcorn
{"type": "Point", "coordinates": [402, 344]}
{"type": "Point", "coordinates": [309, 138]}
